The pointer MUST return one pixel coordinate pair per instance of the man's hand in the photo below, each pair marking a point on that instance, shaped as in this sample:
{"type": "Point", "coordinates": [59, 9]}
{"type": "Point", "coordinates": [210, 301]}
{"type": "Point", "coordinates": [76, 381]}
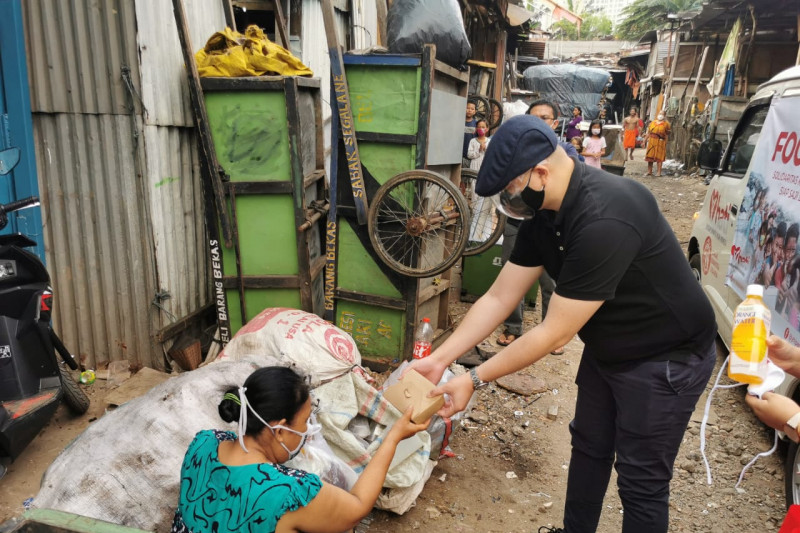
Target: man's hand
{"type": "Point", "coordinates": [459, 391]}
{"type": "Point", "coordinates": [774, 410]}
{"type": "Point", "coordinates": [430, 367]}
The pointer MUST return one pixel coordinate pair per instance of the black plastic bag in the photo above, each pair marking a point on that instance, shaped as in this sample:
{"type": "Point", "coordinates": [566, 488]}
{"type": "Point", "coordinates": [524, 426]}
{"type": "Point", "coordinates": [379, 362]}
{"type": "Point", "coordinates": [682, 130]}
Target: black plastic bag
{"type": "Point", "coordinates": [414, 23]}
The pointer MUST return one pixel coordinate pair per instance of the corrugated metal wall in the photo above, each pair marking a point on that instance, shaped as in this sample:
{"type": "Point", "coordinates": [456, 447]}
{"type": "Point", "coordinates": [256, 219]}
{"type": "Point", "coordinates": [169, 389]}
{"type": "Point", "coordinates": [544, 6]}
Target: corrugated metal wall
{"type": "Point", "coordinates": [117, 168]}
{"type": "Point", "coordinates": [364, 15]}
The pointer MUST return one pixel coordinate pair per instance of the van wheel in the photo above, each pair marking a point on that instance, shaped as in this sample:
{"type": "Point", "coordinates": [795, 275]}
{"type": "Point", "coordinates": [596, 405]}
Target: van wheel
{"type": "Point", "coordinates": [694, 263]}
{"type": "Point", "coordinates": [74, 397]}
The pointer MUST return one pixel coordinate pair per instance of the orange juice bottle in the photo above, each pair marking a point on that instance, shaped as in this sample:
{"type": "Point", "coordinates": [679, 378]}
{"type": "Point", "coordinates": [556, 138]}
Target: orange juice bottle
{"type": "Point", "coordinates": [748, 361]}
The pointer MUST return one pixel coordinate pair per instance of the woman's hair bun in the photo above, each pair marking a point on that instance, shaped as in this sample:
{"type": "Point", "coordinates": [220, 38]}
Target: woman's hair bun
{"type": "Point", "coordinates": [229, 409]}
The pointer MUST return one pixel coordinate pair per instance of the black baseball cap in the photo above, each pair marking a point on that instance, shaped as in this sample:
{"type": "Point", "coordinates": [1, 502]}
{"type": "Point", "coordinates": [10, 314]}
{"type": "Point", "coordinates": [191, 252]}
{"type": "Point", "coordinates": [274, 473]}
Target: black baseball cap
{"type": "Point", "coordinates": [521, 143]}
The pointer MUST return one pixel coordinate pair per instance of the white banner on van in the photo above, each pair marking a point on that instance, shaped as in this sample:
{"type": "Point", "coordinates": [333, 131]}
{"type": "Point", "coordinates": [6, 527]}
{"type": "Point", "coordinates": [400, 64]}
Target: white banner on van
{"type": "Point", "coordinates": [764, 250]}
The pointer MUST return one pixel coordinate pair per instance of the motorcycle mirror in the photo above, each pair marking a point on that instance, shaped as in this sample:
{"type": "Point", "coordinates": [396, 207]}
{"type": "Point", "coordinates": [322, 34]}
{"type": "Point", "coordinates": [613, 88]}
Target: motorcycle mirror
{"type": "Point", "coordinates": [8, 160]}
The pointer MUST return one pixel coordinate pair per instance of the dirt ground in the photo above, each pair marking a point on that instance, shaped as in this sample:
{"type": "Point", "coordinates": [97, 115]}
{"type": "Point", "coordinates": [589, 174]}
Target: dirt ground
{"type": "Point", "coordinates": [510, 470]}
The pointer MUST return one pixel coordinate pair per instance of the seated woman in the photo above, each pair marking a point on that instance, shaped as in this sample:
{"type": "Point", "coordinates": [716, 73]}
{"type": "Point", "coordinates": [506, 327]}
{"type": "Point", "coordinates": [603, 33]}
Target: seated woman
{"type": "Point", "coordinates": [242, 486]}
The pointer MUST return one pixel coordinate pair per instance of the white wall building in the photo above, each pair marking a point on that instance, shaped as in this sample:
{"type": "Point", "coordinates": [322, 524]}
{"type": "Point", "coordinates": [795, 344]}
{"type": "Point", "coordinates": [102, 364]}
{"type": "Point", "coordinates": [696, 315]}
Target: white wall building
{"type": "Point", "coordinates": [611, 8]}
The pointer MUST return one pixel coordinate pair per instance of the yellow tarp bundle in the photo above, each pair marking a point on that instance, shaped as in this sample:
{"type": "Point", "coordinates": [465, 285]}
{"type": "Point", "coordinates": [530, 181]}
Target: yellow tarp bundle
{"type": "Point", "coordinates": [228, 53]}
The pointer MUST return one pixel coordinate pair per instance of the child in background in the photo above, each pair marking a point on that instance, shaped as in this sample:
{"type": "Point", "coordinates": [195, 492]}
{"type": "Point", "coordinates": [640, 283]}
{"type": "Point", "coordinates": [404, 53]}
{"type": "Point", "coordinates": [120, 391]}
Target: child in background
{"type": "Point", "coordinates": [478, 145]}
{"type": "Point", "coordinates": [577, 142]}
{"type": "Point", "coordinates": [594, 145]}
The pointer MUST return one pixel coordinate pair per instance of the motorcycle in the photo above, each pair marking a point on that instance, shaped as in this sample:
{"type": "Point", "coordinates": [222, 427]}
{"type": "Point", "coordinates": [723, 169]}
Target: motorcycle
{"type": "Point", "coordinates": [32, 380]}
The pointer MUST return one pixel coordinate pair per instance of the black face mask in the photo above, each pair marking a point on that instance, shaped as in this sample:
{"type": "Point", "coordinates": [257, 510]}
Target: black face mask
{"type": "Point", "coordinates": [522, 205]}
{"type": "Point", "coordinates": [533, 199]}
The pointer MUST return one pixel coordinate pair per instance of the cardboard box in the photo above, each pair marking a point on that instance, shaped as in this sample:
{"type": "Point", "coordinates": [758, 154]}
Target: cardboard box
{"type": "Point", "coordinates": [412, 389]}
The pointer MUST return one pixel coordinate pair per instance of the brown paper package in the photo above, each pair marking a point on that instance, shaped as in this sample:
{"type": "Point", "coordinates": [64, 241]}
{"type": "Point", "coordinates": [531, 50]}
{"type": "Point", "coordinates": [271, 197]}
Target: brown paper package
{"type": "Point", "coordinates": [412, 389]}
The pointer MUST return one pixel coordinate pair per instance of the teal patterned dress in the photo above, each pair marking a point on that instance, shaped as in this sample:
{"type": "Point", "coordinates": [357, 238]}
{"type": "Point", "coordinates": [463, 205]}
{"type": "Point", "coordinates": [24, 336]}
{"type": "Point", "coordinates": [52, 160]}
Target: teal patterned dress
{"type": "Point", "coordinates": [218, 498]}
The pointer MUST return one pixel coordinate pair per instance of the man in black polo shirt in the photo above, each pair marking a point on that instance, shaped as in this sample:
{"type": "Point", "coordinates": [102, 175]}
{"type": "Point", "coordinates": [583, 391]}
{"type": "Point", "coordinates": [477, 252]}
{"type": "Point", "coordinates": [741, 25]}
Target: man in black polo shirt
{"type": "Point", "coordinates": [624, 286]}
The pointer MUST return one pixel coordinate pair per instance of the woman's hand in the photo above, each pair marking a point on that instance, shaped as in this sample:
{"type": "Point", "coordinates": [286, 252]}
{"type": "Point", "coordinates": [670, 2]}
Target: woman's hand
{"type": "Point", "coordinates": [404, 427]}
{"type": "Point", "coordinates": [784, 354]}
{"type": "Point", "coordinates": [774, 409]}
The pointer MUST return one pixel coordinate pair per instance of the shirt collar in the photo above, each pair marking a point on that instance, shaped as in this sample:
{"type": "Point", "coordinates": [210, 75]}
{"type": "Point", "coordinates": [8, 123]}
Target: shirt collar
{"type": "Point", "coordinates": [571, 195]}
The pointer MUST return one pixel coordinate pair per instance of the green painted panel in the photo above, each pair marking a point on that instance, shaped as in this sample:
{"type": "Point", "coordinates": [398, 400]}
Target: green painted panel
{"type": "Point", "coordinates": [258, 300]}
{"type": "Point", "coordinates": [378, 332]}
{"type": "Point", "coordinates": [384, 99]}
{"type": "Point", "coordinates": [481, 270]}
{"type": "Point", "coordinates": [384, 160]}
{"type": "Point", "coordinates": [357, 271]}
{"type": "Point", "coordinates": [267, 241]}
{"type": "Point", "coordinates": [250, 132]}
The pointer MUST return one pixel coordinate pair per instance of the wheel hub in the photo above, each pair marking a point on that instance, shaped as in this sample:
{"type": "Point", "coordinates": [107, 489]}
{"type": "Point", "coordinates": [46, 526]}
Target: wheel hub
{"type": "Point", "coordinates": [416, 226]}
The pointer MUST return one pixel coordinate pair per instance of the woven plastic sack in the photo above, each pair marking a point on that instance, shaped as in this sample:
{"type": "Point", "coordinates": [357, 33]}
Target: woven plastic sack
{"type": "Point", "coordinates": [296, 338]}
{"type": "Point", "coordinates": [125, 467]}
{"type": "Point", "coordinates": [350, 396]}
{"type": "Point", "coordinates": [228, 53]}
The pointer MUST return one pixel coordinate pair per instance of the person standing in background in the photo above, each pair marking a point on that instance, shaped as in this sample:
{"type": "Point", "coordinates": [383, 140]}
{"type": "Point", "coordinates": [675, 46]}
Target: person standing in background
{"type": "Point", "coordinates": [631, 126]}
{"type": "Point", "coordinates": [657, 137]}
{"type": "Point", "coordinates": [594, 145]}
{"type": "Point", "coordinates": [572, 126]}
{"type": "Point", "coordinates": [469, 132]}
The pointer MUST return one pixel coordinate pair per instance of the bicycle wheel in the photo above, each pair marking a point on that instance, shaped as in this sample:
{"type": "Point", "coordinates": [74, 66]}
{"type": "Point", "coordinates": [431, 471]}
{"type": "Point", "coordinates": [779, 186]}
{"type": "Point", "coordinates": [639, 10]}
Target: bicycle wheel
{"type": "Point", "coordinates": [495, 117]}
{"type": "Point", "coordinates": [418, 223]}
{"type": "Point", "coordinates": [486, 223]}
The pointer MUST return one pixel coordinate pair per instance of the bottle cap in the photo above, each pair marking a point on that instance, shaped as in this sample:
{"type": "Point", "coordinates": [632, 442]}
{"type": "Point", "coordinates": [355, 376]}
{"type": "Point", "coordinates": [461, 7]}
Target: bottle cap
{"type": "Point", "coordinates": [755, 290]}
{"type": "Point", "coordinates": [426, 319]}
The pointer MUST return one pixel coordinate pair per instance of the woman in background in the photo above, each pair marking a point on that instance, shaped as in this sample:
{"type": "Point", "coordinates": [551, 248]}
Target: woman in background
{"type": "Point", "coordinates": [572, 126]}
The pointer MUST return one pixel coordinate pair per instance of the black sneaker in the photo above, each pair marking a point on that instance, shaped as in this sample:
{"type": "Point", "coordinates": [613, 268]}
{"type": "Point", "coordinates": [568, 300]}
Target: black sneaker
{"type": "Point", "coordinates": [545, 529]}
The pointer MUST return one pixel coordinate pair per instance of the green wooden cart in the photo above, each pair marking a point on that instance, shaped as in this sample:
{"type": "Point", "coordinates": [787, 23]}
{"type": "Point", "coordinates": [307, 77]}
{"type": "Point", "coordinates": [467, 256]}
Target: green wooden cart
{"type": "Point", "coordinates": [267, 134]}
{"type": "Point", "coordinates": [407, 113]}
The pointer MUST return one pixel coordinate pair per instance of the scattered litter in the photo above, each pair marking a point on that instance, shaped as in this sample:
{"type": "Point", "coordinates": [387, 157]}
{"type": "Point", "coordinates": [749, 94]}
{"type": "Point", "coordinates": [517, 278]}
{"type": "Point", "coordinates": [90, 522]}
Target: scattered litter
{"type": "Point", "coordinates": [443, 477]}
{"type": "Point", "coordinates": [511, 475]}
{"type": "Point", "coordinates": [27, 503]}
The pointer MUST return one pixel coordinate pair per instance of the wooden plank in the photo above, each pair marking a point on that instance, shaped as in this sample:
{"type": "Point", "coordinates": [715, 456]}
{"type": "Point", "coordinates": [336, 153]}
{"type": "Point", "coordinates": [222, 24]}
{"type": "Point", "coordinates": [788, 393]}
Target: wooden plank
{"type": "Point", "coordinates": [313, 177]}
{"type": "Point", "coordinates": [208, 157]}
{"type": "Point", "coordinates": [280, 22]}
{"type": "Point", "coordinates": [298, 180]}
{"type": "Point", "coordinates": [238, 254]}
{"type": "Point", "coordinates": [230, 19]}
{"type": "Point", "coordinates": [385, 60]}
{"type": "Point", "coordinates": [260, 187]}
{"type": "Point", "coordinates": [371, 299]}
{"type": "Point", "coordinates": [248, 83]}
{"type": "Point", "coordinates": [432, 291]}
{"type": "Point", "coordinates": [261, 282]}
{"type": "Point", "coordinates": [213, 202]}
{"type": "Point", "coordinates": [172, 330]}
{"type": "Point", "coordinates": [345, 112]}
{"type": "Point", "coordinates": [317, 266]}
{"type": "Point", "coordinates": [382, 16]}
{"type": "Point", "coordinates": [331, 242]}
{"type": "Point", "coordinates": [392, 138]}
{"type": "Point", "coordinates": [426, 91]}
{"type": "Point", "coordinates": [447, 70]}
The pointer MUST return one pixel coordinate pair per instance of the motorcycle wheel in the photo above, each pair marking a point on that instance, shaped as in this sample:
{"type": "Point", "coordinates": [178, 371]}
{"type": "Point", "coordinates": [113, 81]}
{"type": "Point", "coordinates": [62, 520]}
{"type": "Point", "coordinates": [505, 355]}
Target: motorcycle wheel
{"type": "Point", "coordinates": [74, 397]}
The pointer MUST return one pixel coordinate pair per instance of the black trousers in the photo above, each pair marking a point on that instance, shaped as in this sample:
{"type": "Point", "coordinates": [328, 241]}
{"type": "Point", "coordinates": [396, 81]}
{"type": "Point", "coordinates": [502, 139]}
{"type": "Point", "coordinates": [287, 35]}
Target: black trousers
{"type": "Point", "coordinates": [632, 416]}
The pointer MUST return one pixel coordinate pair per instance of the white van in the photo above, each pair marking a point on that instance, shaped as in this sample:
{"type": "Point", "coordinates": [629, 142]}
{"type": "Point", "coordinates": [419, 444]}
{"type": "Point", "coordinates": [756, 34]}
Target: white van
{"type": "Point", "coordinates": [746, 216]}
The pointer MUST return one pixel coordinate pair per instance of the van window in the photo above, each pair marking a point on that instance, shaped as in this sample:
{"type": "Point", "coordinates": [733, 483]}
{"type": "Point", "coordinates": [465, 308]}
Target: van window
{"type": "Point", "coordinates": [744, 144]}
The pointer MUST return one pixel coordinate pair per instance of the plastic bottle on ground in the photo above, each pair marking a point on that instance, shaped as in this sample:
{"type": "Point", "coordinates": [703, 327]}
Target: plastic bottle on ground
{"type": "Point", "coordinates": [423, 339]}
{"type": "Point", "coordinates": [751, 320]}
